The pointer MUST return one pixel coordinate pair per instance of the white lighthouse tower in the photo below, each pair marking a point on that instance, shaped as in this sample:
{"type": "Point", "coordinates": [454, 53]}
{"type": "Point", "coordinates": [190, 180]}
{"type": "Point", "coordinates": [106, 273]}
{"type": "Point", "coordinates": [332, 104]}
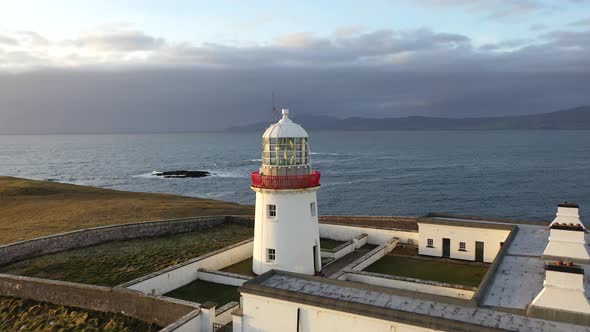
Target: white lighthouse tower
{"type": "Point", "coordinates": [286, 233]}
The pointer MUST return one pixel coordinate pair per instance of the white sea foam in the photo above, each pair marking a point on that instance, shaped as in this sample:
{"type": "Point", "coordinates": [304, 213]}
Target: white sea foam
{"type": "Point", "coordinates": [150, 175]}
{"type": "Point", "coordinates": [228, 174]}
{"type": "Point", "coordinates": [325, 153]}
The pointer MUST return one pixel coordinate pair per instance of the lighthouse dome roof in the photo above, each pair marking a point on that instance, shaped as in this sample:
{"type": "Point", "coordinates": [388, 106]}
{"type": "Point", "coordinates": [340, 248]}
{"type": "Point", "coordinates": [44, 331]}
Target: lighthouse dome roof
{"type": "Point", "coordinates": [284, 128]}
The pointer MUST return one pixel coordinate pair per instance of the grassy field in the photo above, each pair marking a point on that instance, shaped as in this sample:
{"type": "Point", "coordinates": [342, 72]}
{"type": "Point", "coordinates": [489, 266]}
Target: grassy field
{"type": "Point", "coordinates": [244, 268]}
{"type": "Point", "coordinates": [203, 291]}
{"type": "Point", "coordinates": [27, 315]}
{"type": "Point", "coordinates": [33, 208]}
{"type": "Point", "coordinates": [330, 244]}
{"type": "Point", "coordinates": [452, 273]}
{"type": "Point", "coordinates": [114, 263]}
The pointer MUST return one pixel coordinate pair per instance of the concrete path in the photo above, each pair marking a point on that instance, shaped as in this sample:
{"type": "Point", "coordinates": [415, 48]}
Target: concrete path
{"type": "Point", "coordinates": [341, 263]}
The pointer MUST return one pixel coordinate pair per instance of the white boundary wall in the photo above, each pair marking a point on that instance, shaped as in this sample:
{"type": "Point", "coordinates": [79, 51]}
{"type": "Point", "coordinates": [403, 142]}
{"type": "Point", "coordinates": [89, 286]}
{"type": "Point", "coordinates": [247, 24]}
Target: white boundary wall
{"type": "Point", "coordinates": [347, 247]}
{"type": "Point", "coordinates": [223, 315]}
{"type": "Point", "coordinates": [375, 235]}
{"type": "Point", "coordinates": [224, 278]}
{"type": "Point", "coordinates": [188, 323]}
{"type": "Point", "coordinates": [367, 259]}
{"type": "Point", "coordinates": [177, 276]}
{"type": "Point", "coordinates": [410, 284]}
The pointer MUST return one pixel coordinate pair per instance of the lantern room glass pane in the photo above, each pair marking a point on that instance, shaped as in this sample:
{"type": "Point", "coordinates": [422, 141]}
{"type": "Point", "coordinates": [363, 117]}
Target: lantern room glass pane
{"type": "Point", "coordinates": [285, 151]}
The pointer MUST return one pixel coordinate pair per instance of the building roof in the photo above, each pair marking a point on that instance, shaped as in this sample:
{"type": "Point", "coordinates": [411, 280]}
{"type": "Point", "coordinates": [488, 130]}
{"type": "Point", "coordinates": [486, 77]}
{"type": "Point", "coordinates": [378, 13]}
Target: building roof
{"type": "Point", "coordinates": [284, 128]}
{"type": "Point", "coordinates": [384, 303]}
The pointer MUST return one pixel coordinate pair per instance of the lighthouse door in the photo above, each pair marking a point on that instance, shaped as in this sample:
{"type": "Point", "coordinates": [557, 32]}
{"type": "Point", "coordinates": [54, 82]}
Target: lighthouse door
{"type": "Point", "coordinates": [315, 258]}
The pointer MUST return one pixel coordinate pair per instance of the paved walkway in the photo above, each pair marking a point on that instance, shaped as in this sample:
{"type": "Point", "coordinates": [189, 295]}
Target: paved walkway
{"type": "Point", "coordinates": [341, 263]}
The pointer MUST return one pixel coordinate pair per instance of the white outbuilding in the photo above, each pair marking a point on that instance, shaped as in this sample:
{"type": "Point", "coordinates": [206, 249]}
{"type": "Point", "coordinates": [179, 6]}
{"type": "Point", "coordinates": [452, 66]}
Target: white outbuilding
{"type": "Point", "coordinates": [286, 231]}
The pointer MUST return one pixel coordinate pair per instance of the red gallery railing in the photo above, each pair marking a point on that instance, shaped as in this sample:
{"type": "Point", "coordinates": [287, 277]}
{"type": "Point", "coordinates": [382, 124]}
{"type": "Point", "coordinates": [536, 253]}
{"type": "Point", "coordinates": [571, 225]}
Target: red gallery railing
{"type": "Point", "coordinates": [286, 181]}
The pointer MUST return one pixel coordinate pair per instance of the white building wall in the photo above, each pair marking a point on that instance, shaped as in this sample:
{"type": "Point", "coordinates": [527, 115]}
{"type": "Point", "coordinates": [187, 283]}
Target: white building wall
{"type": "Point", "coordinates": [491, 238]}
{"type": "Point", "coordinates": [293, 233]}
{"type": "Point", "coordinates": [268, 314]}
{"type": "Point", "coordinates": [376, 236]}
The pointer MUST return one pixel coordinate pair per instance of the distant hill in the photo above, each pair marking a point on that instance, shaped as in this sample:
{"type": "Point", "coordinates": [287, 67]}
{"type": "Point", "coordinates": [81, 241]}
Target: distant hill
{"type": "Point", "coordinates": [571, 119]}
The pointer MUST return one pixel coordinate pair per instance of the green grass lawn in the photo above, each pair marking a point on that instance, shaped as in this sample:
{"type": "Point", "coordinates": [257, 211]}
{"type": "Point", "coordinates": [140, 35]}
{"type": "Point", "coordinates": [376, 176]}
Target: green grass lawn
{"type": "Point", "coordinates": [452, 273]}
{"type": "Point", "coordinates": [114, 263]}
{"type": "Point", "coordinates": [330, 244]}
{"type": "Point", "coordinates": [244, 268]}
{"type": "Point", "coordinates": [203, 291]}
{"type": "Point", "coordinates": [27, 315]}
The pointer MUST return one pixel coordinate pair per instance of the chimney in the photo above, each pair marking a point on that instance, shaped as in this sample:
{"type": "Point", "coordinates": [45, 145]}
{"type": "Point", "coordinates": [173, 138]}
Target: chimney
{"type": "Point", "coordinates": [563, 290]}
{"type": "Point", "coordinates": [567, 236]}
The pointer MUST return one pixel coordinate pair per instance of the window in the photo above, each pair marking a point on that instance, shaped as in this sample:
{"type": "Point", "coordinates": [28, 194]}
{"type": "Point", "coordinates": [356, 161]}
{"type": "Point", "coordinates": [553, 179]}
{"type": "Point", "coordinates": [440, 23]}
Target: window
{"type": "Point", "coordinates": [462, 246]}
{"type": "Point", "coordinates": [271, 255]}
{"type": "Point", "coordinates": [272, 210]}
{"type": "Point", "coordinates": [285, 151]}
{"type": "Point", "coordinates": [430, 243]}
{"type": "Point", "coordinates": [312, 209]}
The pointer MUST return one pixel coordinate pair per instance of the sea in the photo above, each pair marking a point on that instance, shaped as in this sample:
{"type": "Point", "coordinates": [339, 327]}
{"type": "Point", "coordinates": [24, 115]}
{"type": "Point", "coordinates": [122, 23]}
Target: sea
{"type": "Point", "coordinates": [513, 174]}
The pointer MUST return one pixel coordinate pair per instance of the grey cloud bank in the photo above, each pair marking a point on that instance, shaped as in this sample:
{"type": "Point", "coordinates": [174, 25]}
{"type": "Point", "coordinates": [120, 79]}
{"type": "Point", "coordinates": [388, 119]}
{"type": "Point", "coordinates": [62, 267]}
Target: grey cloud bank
{"type": "Point", "coordinates": [133, 82]}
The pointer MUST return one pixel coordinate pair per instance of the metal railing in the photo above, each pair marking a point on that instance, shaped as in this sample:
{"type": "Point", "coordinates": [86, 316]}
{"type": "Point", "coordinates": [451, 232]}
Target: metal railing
{"type": "Point", "coordinates": [286, 181]}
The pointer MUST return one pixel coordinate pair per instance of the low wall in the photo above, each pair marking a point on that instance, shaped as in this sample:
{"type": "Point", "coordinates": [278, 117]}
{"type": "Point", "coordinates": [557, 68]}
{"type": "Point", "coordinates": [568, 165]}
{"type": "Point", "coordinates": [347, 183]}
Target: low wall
{"type": "Point", "coordinates": [166, 280]}
{"type": "Point", "coordinates": [189, 323]}
{"type": "Point", "coordinates": [345, 248]}
{"type": "Point", "coordinates": [367, 259]}
{"type": "Point", "coordinates": [487, 280]}
{"type": "Point", "coordinates": [105, 299]}
{"type": "Point", "coordinates": [220, 277]}
{"type": "Point", "coordinates": [223, 315]}
{"type": "Point", "coordinates": [411, 284]}
{"type": "Point", "coordinates": [17, 251]}
{"type": "Point", "coordinates": [404, 228]}
{"type": "Point", "coordinates": [375, 235]}
{"type": "Point", "coordinates": [559, 315]}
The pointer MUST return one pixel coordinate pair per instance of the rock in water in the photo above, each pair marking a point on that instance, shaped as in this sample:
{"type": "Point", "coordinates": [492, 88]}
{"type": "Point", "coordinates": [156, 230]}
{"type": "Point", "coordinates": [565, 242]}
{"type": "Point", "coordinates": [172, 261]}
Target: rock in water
{"type": "Point", "coordinates": [182, 174]}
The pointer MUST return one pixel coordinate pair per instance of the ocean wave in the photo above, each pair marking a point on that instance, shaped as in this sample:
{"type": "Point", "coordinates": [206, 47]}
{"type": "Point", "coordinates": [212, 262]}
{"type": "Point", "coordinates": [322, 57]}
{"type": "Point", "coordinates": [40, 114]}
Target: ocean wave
{"type": "Point", "coordinates": [325, 153]}
{"type": "Point", "coordinates": [229, 174]}
{"type": "Point", "coordinates": [149, 175]}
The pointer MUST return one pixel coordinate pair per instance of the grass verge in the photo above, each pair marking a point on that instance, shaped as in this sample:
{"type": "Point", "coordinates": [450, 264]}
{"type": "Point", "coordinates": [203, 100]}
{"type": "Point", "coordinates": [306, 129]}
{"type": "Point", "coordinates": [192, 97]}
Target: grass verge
{"type": "Point", "coordinates": [244, 268]}
{"type": "Point", "coordinates": [200, 291]}
{"type": "Point", "coordinates": [330, 244]}
{"type": "Point", "coordinates": [32, 208]}
{"type": "Point", "coordinates": [27, 315]}
{"type": "Point", "coordinates": [118, 262]}
{"type": "Point", "coordinates": [452, 273]}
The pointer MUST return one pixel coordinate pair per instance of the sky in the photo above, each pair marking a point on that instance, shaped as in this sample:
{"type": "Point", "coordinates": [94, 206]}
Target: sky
{"type": "Point", "coordinates": [127, 66]}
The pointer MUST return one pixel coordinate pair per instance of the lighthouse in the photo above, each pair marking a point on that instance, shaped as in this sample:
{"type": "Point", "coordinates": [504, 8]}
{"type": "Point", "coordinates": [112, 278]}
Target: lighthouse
{"type": "Point", "coordinates": [286, 232]}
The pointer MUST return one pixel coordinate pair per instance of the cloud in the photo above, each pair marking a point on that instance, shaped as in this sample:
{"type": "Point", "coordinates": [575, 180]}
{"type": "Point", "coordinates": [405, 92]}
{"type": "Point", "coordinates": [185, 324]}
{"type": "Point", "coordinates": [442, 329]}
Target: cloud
{"type": "Point", "coordinates": [126, 80]}
{"type": "Point", "coordinates": [7, 40]}
{"type": "Point", "coordinates": [120, 41]}
{"type": "Point", "coordinates": [581, 23]}
{"type": "Point", "coordinates": [349, 31]}
{"type": "Point", "coordinates": [493, 9]}
{"type": "Point", "coordinates": [537, 27]}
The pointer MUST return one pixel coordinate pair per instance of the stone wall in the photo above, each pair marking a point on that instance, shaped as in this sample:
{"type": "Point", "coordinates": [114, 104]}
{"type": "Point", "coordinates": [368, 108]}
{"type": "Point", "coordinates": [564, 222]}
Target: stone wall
{"type": "Point", "coordinates": [105, 299]}
{"type": "Point", "coordinates": [93, 236]}
{"type": "Point", "coordinates": [17, 251]}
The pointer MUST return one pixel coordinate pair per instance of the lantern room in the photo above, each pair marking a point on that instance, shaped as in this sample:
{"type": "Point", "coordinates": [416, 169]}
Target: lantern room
{"type": "Point", "coordinates": [285, 149]}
